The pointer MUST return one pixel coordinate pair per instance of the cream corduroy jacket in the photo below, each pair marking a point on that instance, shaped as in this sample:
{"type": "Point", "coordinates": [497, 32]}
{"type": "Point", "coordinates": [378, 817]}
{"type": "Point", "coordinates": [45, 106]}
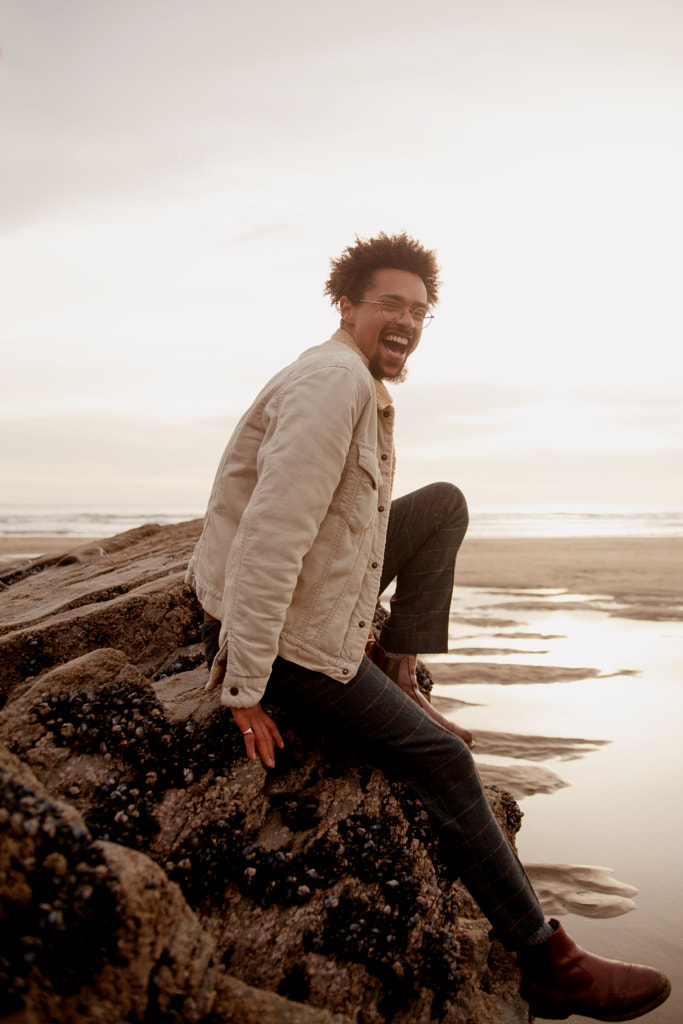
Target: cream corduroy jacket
{"type": "Point", "coordinates": [291, 552]}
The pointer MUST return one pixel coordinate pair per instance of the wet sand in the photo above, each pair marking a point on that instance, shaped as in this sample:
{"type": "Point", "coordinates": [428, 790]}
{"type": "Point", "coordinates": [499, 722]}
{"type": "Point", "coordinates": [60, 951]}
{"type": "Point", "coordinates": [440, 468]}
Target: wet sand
{"type": "Point", "coordinates": [642, 575]}
{"type": "Point", "coordinates": [565, 661]}
{"type": "Point", "coordinates": [26, 546]}
{"type": "Point", "coordinates": [621, 566]}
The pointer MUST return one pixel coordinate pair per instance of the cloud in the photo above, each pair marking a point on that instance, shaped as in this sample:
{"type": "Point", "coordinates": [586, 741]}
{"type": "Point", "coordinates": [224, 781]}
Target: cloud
{"type": "Point", "coordinates": [176, 179]}
{"type": "Point", "coordinates": [110, 462]}
{"type": "Point", "coordinates": [497, 446]}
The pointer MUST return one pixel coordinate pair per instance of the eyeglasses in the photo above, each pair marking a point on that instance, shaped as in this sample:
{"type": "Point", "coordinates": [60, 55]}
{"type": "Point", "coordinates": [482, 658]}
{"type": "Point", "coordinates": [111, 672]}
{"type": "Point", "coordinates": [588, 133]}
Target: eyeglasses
{"type": "Point", "coordinates": [392, 311]}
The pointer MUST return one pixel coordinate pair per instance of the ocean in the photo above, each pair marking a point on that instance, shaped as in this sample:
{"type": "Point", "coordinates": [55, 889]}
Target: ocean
{"type": "Point", "coordinates": [61, 520]}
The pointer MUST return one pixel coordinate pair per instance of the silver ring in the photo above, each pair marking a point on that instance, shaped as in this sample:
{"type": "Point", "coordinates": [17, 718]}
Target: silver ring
{"type": "Point", "coordinates": [247, 732]}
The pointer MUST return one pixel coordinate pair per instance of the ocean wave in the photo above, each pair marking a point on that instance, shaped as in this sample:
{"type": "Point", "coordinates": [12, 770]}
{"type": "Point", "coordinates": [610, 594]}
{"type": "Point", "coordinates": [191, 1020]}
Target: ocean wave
{"type": "Point", "coordinates": [51, 521]}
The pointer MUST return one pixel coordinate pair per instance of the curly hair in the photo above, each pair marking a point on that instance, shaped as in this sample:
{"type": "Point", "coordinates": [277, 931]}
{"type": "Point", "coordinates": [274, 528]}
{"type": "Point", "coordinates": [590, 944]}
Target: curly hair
{"type": "Point", "coordinates": [352, 272]}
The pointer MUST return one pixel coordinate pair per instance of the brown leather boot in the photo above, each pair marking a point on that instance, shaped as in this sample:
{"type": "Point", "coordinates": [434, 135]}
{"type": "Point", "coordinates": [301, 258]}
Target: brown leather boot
{"type": "Point", "coordinates": [559, 979]}
{"type": "Point", "coordinates": [402, 672]}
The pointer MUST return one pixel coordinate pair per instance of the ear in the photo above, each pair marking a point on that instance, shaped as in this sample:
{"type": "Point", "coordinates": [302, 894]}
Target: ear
{"type": "Point", "coordinates": [347, 309]}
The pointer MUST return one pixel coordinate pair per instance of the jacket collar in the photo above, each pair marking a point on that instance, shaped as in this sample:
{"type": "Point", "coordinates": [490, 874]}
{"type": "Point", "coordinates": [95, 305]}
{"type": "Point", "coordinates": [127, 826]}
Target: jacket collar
{"type": "Point", "coordinates": [384, 399]}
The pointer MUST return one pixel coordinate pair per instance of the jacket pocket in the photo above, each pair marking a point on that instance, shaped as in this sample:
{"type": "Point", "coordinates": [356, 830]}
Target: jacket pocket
{"type": "Point", "coordinates": [356, 496]}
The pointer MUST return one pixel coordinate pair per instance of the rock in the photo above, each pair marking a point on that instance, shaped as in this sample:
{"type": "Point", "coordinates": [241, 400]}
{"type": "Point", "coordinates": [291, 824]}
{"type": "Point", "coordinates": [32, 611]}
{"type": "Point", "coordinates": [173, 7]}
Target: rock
{"type": "Point", "coordinates": [132, 598]}
{"type": "Point", "coordinates": [223, 893]}
{"type": "Point", "coordinates": [97, 932]}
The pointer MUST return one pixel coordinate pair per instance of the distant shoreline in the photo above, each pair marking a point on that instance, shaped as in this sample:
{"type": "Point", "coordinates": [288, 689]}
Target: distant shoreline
{"type": "Point", "coordinates": [47, 521]}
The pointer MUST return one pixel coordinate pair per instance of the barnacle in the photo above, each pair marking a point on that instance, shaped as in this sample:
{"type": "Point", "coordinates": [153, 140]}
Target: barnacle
{"type": "Point", "coordinates": [63, 920]}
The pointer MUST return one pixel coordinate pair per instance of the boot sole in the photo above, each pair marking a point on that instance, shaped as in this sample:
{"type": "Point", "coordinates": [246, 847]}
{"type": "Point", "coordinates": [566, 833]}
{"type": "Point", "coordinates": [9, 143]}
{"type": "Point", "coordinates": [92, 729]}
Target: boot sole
{"type": "Point", "coordinates": [559, 1012]}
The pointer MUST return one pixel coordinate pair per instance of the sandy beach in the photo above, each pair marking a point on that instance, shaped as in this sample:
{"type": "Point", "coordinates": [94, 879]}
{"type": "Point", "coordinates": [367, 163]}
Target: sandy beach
{"type": "Point", "coordinates": [28, 546]}
{"type": "Point", "coordinates": [585, 565]}
{"type": "Point", "coordinates": [626, 566]}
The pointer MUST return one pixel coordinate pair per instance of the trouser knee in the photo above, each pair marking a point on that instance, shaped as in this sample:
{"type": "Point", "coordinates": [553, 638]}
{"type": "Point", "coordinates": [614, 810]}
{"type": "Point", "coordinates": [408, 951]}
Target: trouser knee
{"type": "Point", "coordinates": [451, 499]}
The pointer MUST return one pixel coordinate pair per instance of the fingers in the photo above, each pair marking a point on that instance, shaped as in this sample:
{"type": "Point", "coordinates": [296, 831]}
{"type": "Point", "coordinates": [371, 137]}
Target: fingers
{"type": "Point", "coordinates": [265, 731]}
{"type": "Point", "coordinates": [259, 732]}
{"type": "Point", "coordinates": [260, 740]}
{"type": "Point", "coordinates": [250, 743]}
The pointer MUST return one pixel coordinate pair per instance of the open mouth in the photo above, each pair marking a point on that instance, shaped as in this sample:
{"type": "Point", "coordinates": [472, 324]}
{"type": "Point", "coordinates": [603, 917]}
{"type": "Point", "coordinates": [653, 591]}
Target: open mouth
{"type": "Point", "coordinates": [395, 342]}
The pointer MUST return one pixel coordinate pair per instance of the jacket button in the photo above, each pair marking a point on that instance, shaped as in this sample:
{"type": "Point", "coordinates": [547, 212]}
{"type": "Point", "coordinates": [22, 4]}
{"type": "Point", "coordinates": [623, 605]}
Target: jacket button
{"type": "Point", "coordinates": [362, 625]}
{"type": "Point", "coordinates": [380, 508]}
{"type": "Point", "coordinates": [374, 565]}
{"type": "Point", "coordinates": [234, 691]}
{"type": "Point", "coordinates": [345, 671]}
{"type": "Point", "coordinates": [386, 413]}
{"type": "Point", "coordinates": [384, 458]}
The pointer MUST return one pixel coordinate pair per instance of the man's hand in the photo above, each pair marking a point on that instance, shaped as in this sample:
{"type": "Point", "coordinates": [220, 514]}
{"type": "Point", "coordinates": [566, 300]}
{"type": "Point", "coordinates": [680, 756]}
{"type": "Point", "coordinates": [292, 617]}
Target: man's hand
{"type": "Point", "coordinates": [259, 731]}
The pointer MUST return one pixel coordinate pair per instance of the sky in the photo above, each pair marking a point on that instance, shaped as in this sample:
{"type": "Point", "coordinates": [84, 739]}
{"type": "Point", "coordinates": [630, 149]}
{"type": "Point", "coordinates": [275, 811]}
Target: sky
{"type": "Point", "coordinates": [176, 175]}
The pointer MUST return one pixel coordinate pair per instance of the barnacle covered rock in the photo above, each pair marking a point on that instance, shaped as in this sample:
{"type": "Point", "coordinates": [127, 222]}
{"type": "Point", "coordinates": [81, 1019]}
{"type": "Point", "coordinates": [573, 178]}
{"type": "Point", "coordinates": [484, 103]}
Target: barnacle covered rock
{"type": "Point", "coordinates": [150, 872]}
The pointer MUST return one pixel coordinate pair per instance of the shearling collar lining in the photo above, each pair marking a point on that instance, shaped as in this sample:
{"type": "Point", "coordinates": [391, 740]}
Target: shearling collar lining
{"type": "Point", "coordinates": [384, 399]}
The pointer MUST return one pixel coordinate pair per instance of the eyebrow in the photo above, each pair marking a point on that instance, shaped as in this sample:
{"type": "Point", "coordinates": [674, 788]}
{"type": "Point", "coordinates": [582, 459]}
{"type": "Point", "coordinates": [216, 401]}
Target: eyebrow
{"type": "Point", "coordinates": [397, 298]}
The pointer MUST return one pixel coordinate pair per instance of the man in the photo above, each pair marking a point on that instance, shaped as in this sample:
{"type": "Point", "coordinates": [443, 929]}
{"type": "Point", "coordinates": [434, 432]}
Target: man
{"type": "Point", "coordinates": [300, 538]}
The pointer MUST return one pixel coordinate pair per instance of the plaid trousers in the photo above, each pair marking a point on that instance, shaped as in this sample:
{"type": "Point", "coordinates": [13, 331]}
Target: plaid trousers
{"type": "Point", "coordinates": [388, 730]}
{"type": "Point", "coordinates": [424, 532]}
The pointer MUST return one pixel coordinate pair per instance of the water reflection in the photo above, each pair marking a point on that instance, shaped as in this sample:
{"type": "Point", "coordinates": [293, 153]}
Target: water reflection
{"type": "Point", "coordinates": [619, 808]}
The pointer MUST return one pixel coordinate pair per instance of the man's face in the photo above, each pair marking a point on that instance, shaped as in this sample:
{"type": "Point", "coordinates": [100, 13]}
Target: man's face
{"type": "Point", "coordinates": [386, 344]}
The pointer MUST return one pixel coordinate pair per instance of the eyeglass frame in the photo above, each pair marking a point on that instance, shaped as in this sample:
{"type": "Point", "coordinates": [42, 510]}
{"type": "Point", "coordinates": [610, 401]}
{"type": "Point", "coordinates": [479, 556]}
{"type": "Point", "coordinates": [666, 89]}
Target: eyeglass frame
{"type": "Point", "coordinates": [428, 317]}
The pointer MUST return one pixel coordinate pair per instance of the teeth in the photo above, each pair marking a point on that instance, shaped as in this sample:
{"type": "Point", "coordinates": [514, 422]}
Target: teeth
{"type": "Point", "coordinates": [397, 338]}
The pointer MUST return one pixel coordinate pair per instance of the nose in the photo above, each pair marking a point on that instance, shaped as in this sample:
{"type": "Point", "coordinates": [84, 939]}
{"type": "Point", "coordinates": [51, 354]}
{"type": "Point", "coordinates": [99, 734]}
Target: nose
{"type": "Point", "coordinates": [406, 318]}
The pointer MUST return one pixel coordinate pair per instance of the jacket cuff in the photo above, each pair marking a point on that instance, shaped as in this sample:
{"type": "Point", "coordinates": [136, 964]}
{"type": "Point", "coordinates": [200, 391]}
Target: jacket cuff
{"type": "Point", "coordinates": [243, 691]}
